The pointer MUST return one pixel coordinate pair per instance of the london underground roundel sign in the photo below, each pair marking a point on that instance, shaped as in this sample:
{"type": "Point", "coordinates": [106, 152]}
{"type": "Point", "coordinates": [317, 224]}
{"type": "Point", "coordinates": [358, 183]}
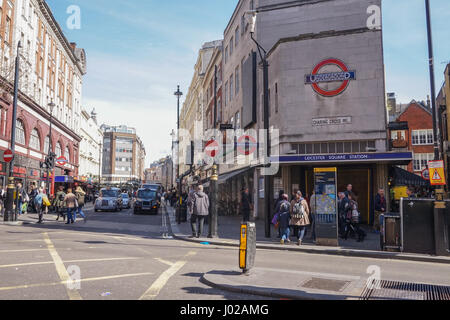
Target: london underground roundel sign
{"type": "Point", "coordinates": [330, 77]}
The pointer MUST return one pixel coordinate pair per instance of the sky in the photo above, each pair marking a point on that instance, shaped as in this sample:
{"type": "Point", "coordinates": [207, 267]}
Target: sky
{"type": "Point", "coordinates": [138, 51]}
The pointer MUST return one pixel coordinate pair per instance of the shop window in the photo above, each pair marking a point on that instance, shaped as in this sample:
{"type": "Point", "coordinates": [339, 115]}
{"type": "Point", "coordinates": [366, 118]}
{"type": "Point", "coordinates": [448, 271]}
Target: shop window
{"type": "Point", "coordinates": [355, 147]}
{"type": "Point", "coordinates": [347, 147]}
{"type": "Point", "coordinates": [332, 147]}
{"type": "Point", "coordinates": [340, 147]}
{"type": "Point", "coordinates": [58, 150]}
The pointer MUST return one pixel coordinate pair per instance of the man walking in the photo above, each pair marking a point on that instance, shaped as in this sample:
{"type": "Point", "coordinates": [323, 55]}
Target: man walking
{"type": "Point", "coordinates": [71, 204]}
{"type": "Point", "coordinates": [58, 203]}
{"type": "Point", "coordinates": [380, 208]}
{"type": "Point", "coordinates": [23, 197]}
{"type": "Point", "coordinates": [246, 205]}
{"type": "Point", "coordinates": [200, 210]}
{"type": "Point", "coordinates": [80, 194]}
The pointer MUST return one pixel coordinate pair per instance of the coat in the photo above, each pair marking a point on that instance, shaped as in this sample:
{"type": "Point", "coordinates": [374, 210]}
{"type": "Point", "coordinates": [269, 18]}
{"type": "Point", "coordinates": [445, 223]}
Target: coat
{"type": "Point", "coordinates": [246, 203]}
{"type": "Point", "coordinates": [58, 202]}
{"type": "Point", "coordinates": [305, 221]}
{"type": "Point", "coordinates": [80, 197]}
{"type": "Point", "coordinates": [201, 204]}
{"type": "Point", "coordinates": [284, 215]}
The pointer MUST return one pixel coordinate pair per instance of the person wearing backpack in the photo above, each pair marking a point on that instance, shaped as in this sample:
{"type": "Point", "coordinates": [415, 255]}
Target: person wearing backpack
{"type": "Point", "coordinates": [58, 203]}
{"type": "Point", "coordinates": [352, 220]}
{"type": "Point", "coordinates": [80, 194]}
{"type": "Point", "coordinates": [284, 218]}
{"type": "Point", "coordinates": [38, 203]}
{"type": "Point", "coordinates": [300, 216]}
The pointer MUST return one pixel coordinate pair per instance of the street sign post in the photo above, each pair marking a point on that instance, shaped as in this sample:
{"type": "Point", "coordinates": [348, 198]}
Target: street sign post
{"type": "Point", "coordinates": [426, 174]}
{"type": "Point", "coordinates": [8, 156]}
{"type": "Point", "coordinates": [437, 173]}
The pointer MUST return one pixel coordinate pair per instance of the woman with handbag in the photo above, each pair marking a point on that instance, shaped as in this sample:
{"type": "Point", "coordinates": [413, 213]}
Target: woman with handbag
{"type": "Point", "coordinates": [300, 216]}
{"type": "Point", "coordinates": [38, 203]}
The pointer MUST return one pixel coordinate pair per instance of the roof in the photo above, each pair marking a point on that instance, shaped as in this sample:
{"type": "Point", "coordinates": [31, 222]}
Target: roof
{"type": "Point", "coordinates": [403, 177]}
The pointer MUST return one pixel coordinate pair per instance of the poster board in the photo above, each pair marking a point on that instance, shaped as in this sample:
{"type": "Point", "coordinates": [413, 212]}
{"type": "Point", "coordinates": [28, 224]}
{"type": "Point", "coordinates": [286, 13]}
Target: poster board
{"type": "Point", "coordinates": [326, 213]}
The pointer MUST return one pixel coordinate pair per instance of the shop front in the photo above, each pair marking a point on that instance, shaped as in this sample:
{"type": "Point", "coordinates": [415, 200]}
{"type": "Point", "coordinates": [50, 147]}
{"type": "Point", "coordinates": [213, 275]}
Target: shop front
{"type": "Point", "coordinates": [3, 174]}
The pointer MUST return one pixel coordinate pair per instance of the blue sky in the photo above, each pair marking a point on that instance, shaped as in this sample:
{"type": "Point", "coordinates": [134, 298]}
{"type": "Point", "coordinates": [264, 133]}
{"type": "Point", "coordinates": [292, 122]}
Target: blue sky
{"type": "Point", "coordinates": [139, 50]}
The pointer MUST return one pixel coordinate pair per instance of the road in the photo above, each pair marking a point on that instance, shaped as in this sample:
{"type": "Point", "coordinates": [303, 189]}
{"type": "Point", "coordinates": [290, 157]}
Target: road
{"type": "Point", "coordinates": [120, 256]}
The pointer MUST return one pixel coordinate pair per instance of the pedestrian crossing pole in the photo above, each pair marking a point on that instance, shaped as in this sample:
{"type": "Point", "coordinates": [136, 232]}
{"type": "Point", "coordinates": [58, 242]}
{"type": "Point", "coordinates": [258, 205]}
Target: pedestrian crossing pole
{"type": "Point", "coordinates": [213, 185]}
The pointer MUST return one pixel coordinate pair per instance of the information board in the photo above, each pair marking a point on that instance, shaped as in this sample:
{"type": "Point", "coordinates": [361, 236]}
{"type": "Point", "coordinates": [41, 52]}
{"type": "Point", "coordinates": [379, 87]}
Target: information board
{"type": "Point", "coordinates": [326, 214]}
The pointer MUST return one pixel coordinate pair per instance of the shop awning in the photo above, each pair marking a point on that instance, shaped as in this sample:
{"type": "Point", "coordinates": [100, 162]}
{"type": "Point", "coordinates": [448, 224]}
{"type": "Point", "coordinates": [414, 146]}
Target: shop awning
{"type": "Point", "coordinates": [406, 178]}
{"type": "Point", "coordinates": [224, 177]}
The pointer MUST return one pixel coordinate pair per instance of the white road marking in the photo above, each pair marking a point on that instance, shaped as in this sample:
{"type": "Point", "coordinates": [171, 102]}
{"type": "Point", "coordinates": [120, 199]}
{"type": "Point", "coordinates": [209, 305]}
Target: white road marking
{"type": "Point", "coordinates": [70, 261]}
{"type": "Point", "coordinates": [61, 269]}
{"type": "Point", "coordinates": [27, 286]}
{"type": "Point", "coordinates": [165, 261]}
{"type": "Point", "coordinates": [162, 280]}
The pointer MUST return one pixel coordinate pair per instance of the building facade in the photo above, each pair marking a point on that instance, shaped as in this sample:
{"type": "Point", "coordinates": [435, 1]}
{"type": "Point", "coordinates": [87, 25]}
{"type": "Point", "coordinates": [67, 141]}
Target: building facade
{"type": "Point", "coordinates": [123, 156]}
{"type": "Point", "coordinates": [90, 147]}
{"type": "Point", "coordinates": [51, 71]}
{"type": "Point", "coordinates": [443, 102]}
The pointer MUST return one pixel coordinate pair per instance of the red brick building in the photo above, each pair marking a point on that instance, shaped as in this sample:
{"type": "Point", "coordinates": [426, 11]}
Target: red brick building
{"type": "Point", "coordinates": [416, 135]}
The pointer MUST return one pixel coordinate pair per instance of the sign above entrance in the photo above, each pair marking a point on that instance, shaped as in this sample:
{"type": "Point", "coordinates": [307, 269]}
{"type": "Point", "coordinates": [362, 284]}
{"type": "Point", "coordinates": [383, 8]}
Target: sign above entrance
{"type": "Point", "coordinates": [336, 72]}
{"type": "Point", "coordinates": [354, 157]}
{"type": "Point", "coordinates": [437, 173]}
{"type": "Point", "coordinates": [62, 161]}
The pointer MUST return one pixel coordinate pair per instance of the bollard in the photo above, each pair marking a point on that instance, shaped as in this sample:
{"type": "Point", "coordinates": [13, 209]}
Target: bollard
{"type": "Point", "coordinates": [247, 246]}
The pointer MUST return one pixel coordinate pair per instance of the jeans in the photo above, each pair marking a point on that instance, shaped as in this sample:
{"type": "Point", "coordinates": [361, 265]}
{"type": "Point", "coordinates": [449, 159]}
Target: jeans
{"type": "Point", "coordinates": [39, 211]}
{"type": "Point", "coordinates": [20, 207]}
{"type": "Point", "coordinates": [246, 215]}
{"type": "Point", "coordinates": [80, 212]}
{"type": "Point", "coordinates": [285, 233]}
{"type": "Point", "coordinates": [201, 220]}
{"type": "Point", "coordinates": [71, 212]}
{"type": "Point", "coordinates": [301, 232]}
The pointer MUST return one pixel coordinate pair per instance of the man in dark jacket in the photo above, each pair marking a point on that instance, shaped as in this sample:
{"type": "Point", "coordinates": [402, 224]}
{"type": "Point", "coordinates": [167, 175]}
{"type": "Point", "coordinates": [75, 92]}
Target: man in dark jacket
{"type": "Point", "coordinates": [284, 218]}
{"type": "Point", "coordinates": [246, 205]}
{"type": "Point", "coordinates": [380, 208]}
{"type": "Point", "coordinates": [342, 211]}
{"type": "Point", "coordinates": [200, 210]}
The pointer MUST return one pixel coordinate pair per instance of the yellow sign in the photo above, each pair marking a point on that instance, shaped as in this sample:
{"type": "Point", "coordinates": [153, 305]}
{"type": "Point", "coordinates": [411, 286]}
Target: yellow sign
{"type": "Point", "coordinates": [400, 192]}
{"type": "Point", "coordinates": [437, 173]}
{"type": "Point", "coordinates": [243, 247]}
{"type": "Point", "coordinates": [325, 170]}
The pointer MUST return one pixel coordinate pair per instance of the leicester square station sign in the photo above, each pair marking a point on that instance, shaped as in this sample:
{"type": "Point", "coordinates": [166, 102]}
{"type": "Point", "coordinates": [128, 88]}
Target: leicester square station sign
{"type": "Point", "coordinates": [341, 76]}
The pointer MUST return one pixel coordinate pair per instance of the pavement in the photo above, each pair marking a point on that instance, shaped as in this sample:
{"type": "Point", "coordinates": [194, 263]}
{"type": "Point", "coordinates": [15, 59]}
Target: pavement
{"type": "Point", "coordinates": [229, 231]}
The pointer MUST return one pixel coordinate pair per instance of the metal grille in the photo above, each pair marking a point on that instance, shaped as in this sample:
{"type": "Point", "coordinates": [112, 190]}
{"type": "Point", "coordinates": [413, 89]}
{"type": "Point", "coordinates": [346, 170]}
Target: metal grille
{"type": "Point", "coordinates": [105, 203]}
{"type": "Point", "coordinates": [146, 203]}
{"type": "Point", "coordinates": [380, 290]}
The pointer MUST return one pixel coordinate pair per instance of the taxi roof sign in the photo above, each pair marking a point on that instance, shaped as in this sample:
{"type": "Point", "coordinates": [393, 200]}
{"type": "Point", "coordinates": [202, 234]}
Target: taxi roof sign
{"type": "Point", "coordinates": [437, 173]}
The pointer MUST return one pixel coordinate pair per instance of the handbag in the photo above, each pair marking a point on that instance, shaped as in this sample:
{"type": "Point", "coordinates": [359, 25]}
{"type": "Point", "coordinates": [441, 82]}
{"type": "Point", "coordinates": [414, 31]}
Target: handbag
{"type": "Point", "coordinates": [275, 219]}
{"type": "Point", "coordinates": [45, 201]}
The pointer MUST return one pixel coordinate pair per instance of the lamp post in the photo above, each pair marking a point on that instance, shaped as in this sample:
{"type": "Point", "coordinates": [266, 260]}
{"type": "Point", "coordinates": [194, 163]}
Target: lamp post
{"type": "Point", "coordinates": [178, 94]}
{"type": "Point", "coordinates": [50, 148]}
{"type": "Point", "coordinates": [172, 134]}
{"type": "Point", "coordinates": [213, 223]}
{"type": "Point", "coordinates": [9, 211]}
{"type": "Point", "coordinates": [265, 64]}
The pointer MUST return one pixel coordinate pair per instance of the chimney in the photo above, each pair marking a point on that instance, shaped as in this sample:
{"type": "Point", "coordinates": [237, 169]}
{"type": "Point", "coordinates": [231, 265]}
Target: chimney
{"type": "Point", "coordinates": [73, 45]}
{"type": "Point", "coordinates": [428, 102]}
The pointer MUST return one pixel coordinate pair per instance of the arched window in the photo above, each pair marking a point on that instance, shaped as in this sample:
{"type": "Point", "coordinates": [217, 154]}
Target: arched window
{"type": "Point", "coordinates": [46, 144]}
{"type": "Point", "coordinates": [58, 150]}
{"type": "Point", "coordinates": [35, 140]}
{"type": "Point", "coordinates": [20, 132]}
{"type": "Point", "coordinates": [67, 154]}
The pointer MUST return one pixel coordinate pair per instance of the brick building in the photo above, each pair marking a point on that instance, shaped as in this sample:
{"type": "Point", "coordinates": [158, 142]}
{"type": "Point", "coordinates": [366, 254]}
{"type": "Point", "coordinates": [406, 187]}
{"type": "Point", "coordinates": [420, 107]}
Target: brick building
{"type": "Point", "coordinates": [51, 71]}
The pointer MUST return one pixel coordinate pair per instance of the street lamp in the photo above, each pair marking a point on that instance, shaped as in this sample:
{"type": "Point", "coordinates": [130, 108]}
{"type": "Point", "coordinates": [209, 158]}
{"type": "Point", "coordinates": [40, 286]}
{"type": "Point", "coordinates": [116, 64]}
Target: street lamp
{"type": "Point", "coordinates": [263, 56]}
{"type": "Point", "coordinates": [172, 134]}
{"type": "Point", "coordinates": [51, 105]}
{"type": "Point", "coordinates": [9, 214]}
{"type": "Point", "coordinates": [178, 94]}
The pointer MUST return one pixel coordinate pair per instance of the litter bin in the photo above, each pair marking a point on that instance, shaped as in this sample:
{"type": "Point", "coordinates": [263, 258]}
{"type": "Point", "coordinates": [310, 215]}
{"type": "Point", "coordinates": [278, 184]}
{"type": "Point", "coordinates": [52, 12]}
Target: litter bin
{"type": "Point", "coordinates": [390, 236]}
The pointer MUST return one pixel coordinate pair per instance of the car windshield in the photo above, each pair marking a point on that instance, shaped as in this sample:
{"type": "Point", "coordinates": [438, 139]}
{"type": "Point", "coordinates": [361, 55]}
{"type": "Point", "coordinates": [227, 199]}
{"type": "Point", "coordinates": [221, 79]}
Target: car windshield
{"type": "Point", "coordinates": [146, 194]}
{"type": "Point", "coordinates": [109, 193]}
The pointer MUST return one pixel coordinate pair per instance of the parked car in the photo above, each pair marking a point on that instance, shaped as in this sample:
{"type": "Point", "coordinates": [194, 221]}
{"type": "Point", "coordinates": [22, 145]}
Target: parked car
{"type": "Point", "coordinates": [109, 199]}
{"type": "Point", "coordinates": [146, 201]}
{"type": "Point", "coordinates": [126, 201]}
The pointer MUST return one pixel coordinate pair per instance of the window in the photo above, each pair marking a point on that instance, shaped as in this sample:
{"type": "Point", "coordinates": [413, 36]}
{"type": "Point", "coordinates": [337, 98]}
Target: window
{"type": "Point", "coordinates": [237, 80]}
{"type": "Point", "coordinates": [35, 141]}
{"type": "Point", "coordinates": [20, 132]}
{"type": "Point", "coordinates": [276, 97]}
{"type": "Point", "coordinates": [420, 161]}
{"type": "Point", "coordinates": [238, 121]}
{"type": "Point", "coordinates": [236, 37]}
{"type": "Point", "coordinates": [58, 150]}
{"type": "Point", "coordinates": [422, 137]}
{"type": "Point", "coordinates": [231, 46]}
{"type": "Point", "coordinates": [67, 154]}
{"type": "Point", "coordinates": [231, 88]}
{"type": "Point", "coordinates": [226, 94]}
{"type": "Point", "coordinates": [46, 144]}
{"type": "Point", "coordinates": [226, 54]}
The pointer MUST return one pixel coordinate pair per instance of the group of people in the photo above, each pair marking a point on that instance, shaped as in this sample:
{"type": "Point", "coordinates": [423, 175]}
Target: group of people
{"type": "Point", "coordinates": [66, 204]}
{"type": "Point", "coordinates": [295, 215]}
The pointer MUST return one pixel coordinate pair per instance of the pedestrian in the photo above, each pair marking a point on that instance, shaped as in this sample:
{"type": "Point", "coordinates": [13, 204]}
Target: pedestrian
{"type": "Point", "coordinates": [342, 211]}
{"type": "Point", "coordinates": [349, 190]}
{"type": "Point", "coordinates": [300, 216]}
{"type": "Point", "coordinates": [33, 193]}
{"type": "Point", "coordinates": [58, 203]}
{"type": "Point", "coordinates": [352, 219]}
{"type": "Point", "coordinates": [246, 205]}
{"type": "Point", "coordinates": [80, 195]}
{"type": "Point", "coordinates": [380, 208]}
{"type": "Point", "coordinates": [277, 208]}
{"type": "Point", "coordinates": [284, 219]}
{"type": "Point", "coordinates": [411, 192]}
{"type": "Point", "coordinates": [71, 204]}
{"type": "Point", "coordinates": [23, 198]}
{"type": "Point", "coordinates": [200, 211]}
{"type": "Point", "coordinates": [39, 204]}
{"type": "Point", "coordinates": [312, 207]}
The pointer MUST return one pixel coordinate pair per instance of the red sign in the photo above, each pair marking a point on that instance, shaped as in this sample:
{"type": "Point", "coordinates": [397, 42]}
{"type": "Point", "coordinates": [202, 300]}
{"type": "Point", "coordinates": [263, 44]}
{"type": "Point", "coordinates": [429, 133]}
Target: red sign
{"type": "Point", "coordinates": [426, 174]}
{"type": "Point", "coordinates": [246, 145]}
{"type": "Point", "coordinates": [341, 75]}
{"type": "Point", "coordinates": [8, 156]}
{"type": "Point", "coordinates": [61, 161]}
{"type": "Point", "coordinates": [212, 148]}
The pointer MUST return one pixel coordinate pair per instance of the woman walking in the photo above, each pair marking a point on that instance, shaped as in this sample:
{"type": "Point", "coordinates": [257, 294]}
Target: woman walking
{"type": "Point", "coordinates": [80, 195]}
{"type": "Point", "coordinates": [58, 203]}
{"type": "Point", "coordinates": [300, 216]}
{"type": "Point", "coordinates": [283, 218]}
{"type": "Point", "coordinates": [38, 203]}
